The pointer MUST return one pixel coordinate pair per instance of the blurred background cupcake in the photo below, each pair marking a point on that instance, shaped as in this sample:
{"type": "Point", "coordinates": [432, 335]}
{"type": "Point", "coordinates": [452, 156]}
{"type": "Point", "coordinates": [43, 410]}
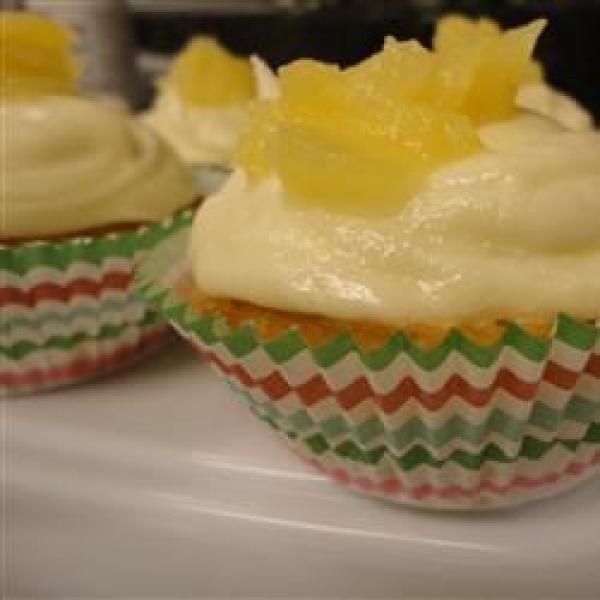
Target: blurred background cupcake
{"type": "Point", "coordinates": [86, 188]}
{"type": "Point", "coordinates": [202, 105]}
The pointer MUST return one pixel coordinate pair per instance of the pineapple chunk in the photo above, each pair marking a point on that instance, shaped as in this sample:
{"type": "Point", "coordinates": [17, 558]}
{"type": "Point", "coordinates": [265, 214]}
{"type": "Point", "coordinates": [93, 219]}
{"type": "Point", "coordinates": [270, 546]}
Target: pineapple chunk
{"type": "Point", "coordinates": [253, 150]}
{"type": "Point", "coordinates": [368, 160]}
{"type": "Point", "coordinates": [377, 158]}
{"type": "Point", "coordinates": [401, 68]}
{"type": "Point", "coordinates": [320, 172]}
{"type": "Point", "coordinates": [481, 68]}
{"type": "Point", "coordinates": [454, 32]}
{"type": "Point", "coordinates": [363, 139]}
{"type": "Point", "coordinates": [206, 74]}
{"type": "Point", "coordinates": [37, 56]}
{"type": "Point", "coordinates": [344, 113]}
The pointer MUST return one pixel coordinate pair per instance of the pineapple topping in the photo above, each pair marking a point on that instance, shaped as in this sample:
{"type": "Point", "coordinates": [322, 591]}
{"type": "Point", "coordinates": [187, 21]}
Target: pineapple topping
{"type": "Point", "coordinates": [36, 56]}
{"type": "Point", "coordinates": [363, 139]}
{"type": "Point", "coordinates": [205, 74]}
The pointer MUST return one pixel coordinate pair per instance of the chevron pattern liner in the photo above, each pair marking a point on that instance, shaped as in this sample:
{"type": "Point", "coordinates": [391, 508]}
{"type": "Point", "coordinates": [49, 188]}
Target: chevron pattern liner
{"type": "Point", "coordinates": [456, 426]}
{"type": "Point", "coordinates": [67, 308]}
{"type": "Point", "coordinates": [449, 488]}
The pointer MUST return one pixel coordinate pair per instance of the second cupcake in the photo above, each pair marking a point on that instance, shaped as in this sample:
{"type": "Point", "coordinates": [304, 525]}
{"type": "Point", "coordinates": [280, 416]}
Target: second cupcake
{"type": "Point", "coordinates": [202, 106]}
{"type": "Point", "coordinates": [85, 192]}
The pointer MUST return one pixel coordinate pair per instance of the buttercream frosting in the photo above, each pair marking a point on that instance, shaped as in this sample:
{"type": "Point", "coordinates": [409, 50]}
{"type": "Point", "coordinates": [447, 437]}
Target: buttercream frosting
{"type": "Point", "coordinates": [197, 134]}
{"type": "Point", "coordinates": [544, 100]}
{"type": "Point", "coordinates": [511, 231]}
{"type": "Point", "coordinates": [70, 164]}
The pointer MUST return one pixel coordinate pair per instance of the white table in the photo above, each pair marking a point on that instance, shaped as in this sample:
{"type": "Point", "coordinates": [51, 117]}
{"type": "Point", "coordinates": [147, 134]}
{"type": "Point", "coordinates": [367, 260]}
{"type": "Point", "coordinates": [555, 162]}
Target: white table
{"type": "Point", "coordinates": [158, 483]}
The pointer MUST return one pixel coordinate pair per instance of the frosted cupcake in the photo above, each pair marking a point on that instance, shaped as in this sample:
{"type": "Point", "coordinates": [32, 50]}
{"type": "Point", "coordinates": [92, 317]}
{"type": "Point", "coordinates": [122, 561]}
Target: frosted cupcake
{"type": "Point", "coordinates": [401, 276]}
{"type": "Point", "coordinates": [86, 190]}
{"type": "Point", "coordinates": [202, 105]}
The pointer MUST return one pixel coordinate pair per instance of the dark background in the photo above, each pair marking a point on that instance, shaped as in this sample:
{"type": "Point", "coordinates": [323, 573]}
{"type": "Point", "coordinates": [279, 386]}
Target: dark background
{"type": "Point", "coordinates": [346, 31]}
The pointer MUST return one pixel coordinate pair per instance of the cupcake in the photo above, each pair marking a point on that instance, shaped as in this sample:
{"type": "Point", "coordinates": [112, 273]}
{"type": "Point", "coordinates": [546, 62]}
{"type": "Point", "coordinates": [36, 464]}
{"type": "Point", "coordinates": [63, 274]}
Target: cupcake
{"type": "Point", "coordinates": [401, 274]}
{"type": "Point", "coordinates": [86, 190]}
{"type": "Point", "coordinates": [202, 105]}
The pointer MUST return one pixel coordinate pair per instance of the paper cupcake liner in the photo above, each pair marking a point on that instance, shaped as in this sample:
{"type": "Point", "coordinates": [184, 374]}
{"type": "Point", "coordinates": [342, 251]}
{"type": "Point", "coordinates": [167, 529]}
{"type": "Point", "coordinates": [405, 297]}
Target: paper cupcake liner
{"type": "Point", "coordinates": [448, 488]}
{"type": "Point", "coordinates": [475, 416]}
{"type": "Point", "coordinates": [486, 479]}
{"type": "Point", "coordinates": [68, 311]}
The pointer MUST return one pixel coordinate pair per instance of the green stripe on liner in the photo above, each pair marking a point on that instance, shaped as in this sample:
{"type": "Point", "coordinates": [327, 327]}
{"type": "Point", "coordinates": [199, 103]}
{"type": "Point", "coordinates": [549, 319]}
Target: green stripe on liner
{"type": "Point", "coordinates": [582, 410]}
{"type": "Point", "coordinates": [415, 430]}
{"type": "Point", "coordinates": [23, 349]}
{"type": "Point", "coordinates": [578, 337]}
{"type": "Point", "coordinates": [37, 320]}
{"type": "Point", "coordinates": [531, 449]}
{"type": "Point", "coordinates": [240, 342]}
{"type": "Point", "coordinates": [93, 250]}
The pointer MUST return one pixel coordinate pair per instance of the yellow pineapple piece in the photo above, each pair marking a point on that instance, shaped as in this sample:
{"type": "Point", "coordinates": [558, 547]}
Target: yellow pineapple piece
{"type": "Point", "coordinates": [364, 117]}
{"type": "Point", "coordinates": [458, 45]}
{"type": "Point", "coordinates": [368, 158]}
{"type": "Point", "coordinates": [324, 174]}
{"type": "Point", "coordinates": [305, 84]}
{"type": "Point", "coordinates": [253, 151]}
{"type": "Point", "coordinates": [455, 31]}
{"type": "Point", "coordinates": [401, 69]}
{"type": "Point", "coordinates": [36, 56]}
{"type": "Point", "coordinates": [481, 67]}
{"type": "Point", "coordinates": [206, 74]}
{"type": "Point", "coordinates": [364, 139]}
{"type": "Point", "coordinates": [368, 161]}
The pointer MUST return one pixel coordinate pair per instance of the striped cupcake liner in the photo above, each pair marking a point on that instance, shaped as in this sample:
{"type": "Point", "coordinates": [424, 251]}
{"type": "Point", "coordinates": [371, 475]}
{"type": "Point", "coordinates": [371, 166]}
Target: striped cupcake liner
{"type": "Point", "coordinates": [485, 421]}
{"type": "Point", "coordinates": [68, 311]}
{"type": "Point", "coordinates": [447, 488]}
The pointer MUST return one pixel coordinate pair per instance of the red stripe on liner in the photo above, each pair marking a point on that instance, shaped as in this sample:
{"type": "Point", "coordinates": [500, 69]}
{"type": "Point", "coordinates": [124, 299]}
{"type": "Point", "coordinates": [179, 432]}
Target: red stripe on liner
{"type": "Point", "coordinates": [593, 366]}
{"type": "Point", "coordinates": [395, 487]}
{"type": "Point", "coordinates": [83, 368]}
{"type": "Point", "coordinates": [560, 376]}
{"type": "Point", "coordinates": [76, 287]}
{"type": "Point", "coordinates": [316, 388]}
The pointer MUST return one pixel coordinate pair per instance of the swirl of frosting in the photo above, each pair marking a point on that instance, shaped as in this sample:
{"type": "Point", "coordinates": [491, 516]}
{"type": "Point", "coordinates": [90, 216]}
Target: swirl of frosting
{"type": "Point", "coordinates": [71, 164]}
{"type": "Point", "coordinates": [199, 134]}
{"type": "Point", "coordinates": [543, 99]}
{"type": "Point", "coordinates": [206, 134]}
{"type": "Point", "coordinates": [511, 231]}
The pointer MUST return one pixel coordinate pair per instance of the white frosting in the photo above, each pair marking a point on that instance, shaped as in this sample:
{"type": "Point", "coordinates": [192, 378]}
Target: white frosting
{"type": "Point", "coordinates": [202, 134]}
{"type": "Point", "coordinates": [198, 135]}
{"type": "Point", "coordinates": [514, 230]}
{"type": "Point", "coordinates": [71, 164]}
{"type": "Point", "coordinates": [544, 100]}
{"type": "Point", "coordinates": [267, 84]}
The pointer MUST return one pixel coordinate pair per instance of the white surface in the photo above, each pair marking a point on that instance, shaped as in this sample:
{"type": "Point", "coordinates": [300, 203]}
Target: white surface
{"type": "Point", "coordinates": [159, 483]}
